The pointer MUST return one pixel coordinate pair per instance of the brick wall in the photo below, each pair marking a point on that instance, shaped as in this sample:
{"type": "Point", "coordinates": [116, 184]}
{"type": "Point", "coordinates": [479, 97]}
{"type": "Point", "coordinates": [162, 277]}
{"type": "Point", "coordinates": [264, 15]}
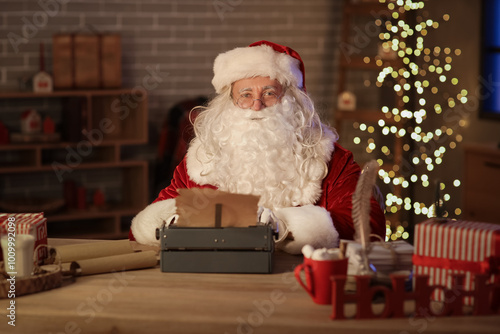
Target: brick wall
{"type": "Point", "coordinates": [181, 38]}
{"type": "Point", "coordinates": [178, 38]}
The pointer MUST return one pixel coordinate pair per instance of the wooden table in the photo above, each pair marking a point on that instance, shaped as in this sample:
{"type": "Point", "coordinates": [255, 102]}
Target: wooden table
{"type": "Point", "coordinates": [149, 301]}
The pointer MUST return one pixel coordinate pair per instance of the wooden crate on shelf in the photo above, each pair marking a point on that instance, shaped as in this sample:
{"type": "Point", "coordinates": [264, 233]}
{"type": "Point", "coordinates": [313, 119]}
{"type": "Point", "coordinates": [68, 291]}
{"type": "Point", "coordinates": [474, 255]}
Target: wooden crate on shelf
{"type": "Point", "coordinates": [86, 61]}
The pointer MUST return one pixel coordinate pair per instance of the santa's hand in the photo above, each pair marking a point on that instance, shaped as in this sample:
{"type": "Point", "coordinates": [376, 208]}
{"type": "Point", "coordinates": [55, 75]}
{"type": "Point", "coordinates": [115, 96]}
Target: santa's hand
{"type": "Point", "coordinates": [305, 225]}
{"type": "Point", "coordinates": [146, 222]}
{"type": "Point", "coordinates": [267, 216]}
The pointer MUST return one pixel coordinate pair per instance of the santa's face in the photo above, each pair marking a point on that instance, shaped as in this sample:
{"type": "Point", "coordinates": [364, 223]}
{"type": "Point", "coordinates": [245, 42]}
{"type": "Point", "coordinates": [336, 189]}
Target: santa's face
{"type": "Point", "coordinates": [257, 150]}
{"type": "Point", "coordinates": [256, 93]}
{"type": "Point", "coordinates": [274, 152]}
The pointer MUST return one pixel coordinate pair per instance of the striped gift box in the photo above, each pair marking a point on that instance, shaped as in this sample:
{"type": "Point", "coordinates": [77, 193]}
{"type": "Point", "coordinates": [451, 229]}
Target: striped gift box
{"type": "Point", "coordinates": [455, 247]}
{"type": "Point", "coordinates": [28, 223]}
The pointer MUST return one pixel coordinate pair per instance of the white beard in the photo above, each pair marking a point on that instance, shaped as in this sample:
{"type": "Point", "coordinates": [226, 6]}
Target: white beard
{"type": "Point", "coordinates": [259, 153]}
{"type": "Point", "coordinates": [258, 157]}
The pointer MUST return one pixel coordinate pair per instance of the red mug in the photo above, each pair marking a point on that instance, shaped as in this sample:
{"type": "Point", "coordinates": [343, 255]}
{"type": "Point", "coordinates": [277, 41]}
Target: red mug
{"type": "Point", "coordinates": [318, 273]}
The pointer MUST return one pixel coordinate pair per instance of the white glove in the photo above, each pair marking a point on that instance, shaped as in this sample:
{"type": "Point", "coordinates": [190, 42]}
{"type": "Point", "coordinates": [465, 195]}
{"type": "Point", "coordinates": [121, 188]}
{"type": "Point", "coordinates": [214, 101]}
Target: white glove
{"type": "Point", "coordinates": [308, 224]}
{"type": "Point", "coordinates": [145, 223]}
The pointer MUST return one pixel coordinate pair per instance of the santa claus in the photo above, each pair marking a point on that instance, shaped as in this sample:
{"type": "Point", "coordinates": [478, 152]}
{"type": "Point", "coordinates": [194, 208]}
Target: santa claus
{"type": "Point", "coordinates": [261, 135]}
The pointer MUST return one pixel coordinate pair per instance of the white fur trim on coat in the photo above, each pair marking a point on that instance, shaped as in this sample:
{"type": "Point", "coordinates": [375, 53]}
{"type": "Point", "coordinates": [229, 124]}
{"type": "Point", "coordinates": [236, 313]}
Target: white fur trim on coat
{"type": "Point", "coordinates": [146, 222]}
{"type": "Point", "coordinates": [309, 225]}
{"type": "Point", "coordinates": [249, 62]}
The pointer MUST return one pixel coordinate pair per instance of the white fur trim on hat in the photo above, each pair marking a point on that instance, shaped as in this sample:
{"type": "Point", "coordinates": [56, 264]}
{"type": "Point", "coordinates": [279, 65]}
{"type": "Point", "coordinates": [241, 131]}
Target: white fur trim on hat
{"type": "Point", "coordinates": [308, 225]}
{"type": "Point", "coordinates": [146, 222]}
{"type": "Point", "coordinates": [249, 62]}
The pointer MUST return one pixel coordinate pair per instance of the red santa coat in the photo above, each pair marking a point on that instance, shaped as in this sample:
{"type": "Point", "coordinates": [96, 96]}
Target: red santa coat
{"type": "Point", "coordinates": [336, 195]}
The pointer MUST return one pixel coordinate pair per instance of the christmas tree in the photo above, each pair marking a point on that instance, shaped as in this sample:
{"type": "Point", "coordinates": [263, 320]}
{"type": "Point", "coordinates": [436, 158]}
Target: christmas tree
{"type": "Point", "coordinates": [419, 122]}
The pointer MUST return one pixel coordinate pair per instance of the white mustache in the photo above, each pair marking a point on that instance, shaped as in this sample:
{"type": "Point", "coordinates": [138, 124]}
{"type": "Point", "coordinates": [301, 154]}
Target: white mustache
{"type": "Point", "coordinates": [284, 107]}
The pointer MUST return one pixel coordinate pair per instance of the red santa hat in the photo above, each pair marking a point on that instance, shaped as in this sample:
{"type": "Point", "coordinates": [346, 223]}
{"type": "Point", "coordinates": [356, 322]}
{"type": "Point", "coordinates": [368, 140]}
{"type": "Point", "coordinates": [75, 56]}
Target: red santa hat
{"type": "Point", "coordinates": [261, 58]}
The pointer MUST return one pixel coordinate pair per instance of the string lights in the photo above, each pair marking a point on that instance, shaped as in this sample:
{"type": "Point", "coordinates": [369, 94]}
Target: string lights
{"type": "Point", "coordinates": [416, 76]}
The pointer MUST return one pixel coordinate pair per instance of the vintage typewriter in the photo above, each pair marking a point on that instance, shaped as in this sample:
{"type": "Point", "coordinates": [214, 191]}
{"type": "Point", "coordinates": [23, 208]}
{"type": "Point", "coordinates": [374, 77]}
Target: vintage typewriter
{"type": "Point", "coordinates": [216, 249]}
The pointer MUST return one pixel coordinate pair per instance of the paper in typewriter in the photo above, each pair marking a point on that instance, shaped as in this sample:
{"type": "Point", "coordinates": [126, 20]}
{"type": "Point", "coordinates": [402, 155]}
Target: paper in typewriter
{"type": "Point", "coordinates": [196, 207]}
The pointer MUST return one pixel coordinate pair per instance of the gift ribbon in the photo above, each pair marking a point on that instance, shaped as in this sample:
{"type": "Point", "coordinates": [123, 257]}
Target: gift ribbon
{"type": "Point", "coordinates": [489, 265]}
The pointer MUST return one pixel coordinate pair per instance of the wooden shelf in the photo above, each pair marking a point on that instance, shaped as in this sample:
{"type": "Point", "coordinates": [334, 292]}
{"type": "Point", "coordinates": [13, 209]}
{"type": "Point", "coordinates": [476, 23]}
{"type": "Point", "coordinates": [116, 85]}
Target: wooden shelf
{"type": "Point", "coordinates": [357, 62]}
{"type": "Point", "coordinates": [110, 212]}
{"type": "Point", "coordinates": [64, 93]}
{"type": "Point", "coordinates": [64, 144]}
{"type": "Point", "coordinates": [125, 124]}
{"type": "Point", "coordinates": [352, 12]}
{"type": "Point", "coordinates": [83, 166]}
{"type": "Point", "coordinates": [76, 228]}
{"type": "Point", "coordinates": [364, 115]}
{"type": "Point", "coordinates": [365, 8]}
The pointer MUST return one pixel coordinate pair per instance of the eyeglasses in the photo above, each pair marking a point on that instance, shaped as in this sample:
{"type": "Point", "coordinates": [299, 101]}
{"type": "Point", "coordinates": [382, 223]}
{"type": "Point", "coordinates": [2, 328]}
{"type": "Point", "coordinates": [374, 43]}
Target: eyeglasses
{"type": "Point", "coordinates": [268, 98]}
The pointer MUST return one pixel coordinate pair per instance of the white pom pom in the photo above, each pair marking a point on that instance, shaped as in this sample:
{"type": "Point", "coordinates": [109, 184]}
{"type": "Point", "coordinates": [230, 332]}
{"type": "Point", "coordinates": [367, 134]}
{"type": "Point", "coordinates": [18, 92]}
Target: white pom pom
{"type": "Point", "coordinates": [307, 250]}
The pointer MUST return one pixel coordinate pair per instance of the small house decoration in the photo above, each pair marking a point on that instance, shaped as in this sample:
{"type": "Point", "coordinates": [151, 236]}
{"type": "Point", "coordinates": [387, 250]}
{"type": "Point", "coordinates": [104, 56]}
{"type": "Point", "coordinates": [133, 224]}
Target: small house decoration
{"type": "Point", "coordinates": [346, 101]}
{"type": "Point", "coordinates": [31, 122]}
{"type": "Point", "coordinates": [49, 126]}
{"type": "Point", "coordinates": [386, 52]}
{"type": "Point", "coordinates": [42, 81]}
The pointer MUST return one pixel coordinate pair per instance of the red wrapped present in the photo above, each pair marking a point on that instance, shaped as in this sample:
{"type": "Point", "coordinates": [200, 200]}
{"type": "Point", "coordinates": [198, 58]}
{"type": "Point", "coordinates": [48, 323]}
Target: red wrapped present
{"type": "Point", "coordinates": [27, 223]}
{"type": "Point", "coordinates": [456, 247]}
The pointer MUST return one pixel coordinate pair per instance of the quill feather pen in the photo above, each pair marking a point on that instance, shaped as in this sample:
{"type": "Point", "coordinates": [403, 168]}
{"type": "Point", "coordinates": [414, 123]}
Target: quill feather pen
{"type": "Point", "coordinates": [361, 208]}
